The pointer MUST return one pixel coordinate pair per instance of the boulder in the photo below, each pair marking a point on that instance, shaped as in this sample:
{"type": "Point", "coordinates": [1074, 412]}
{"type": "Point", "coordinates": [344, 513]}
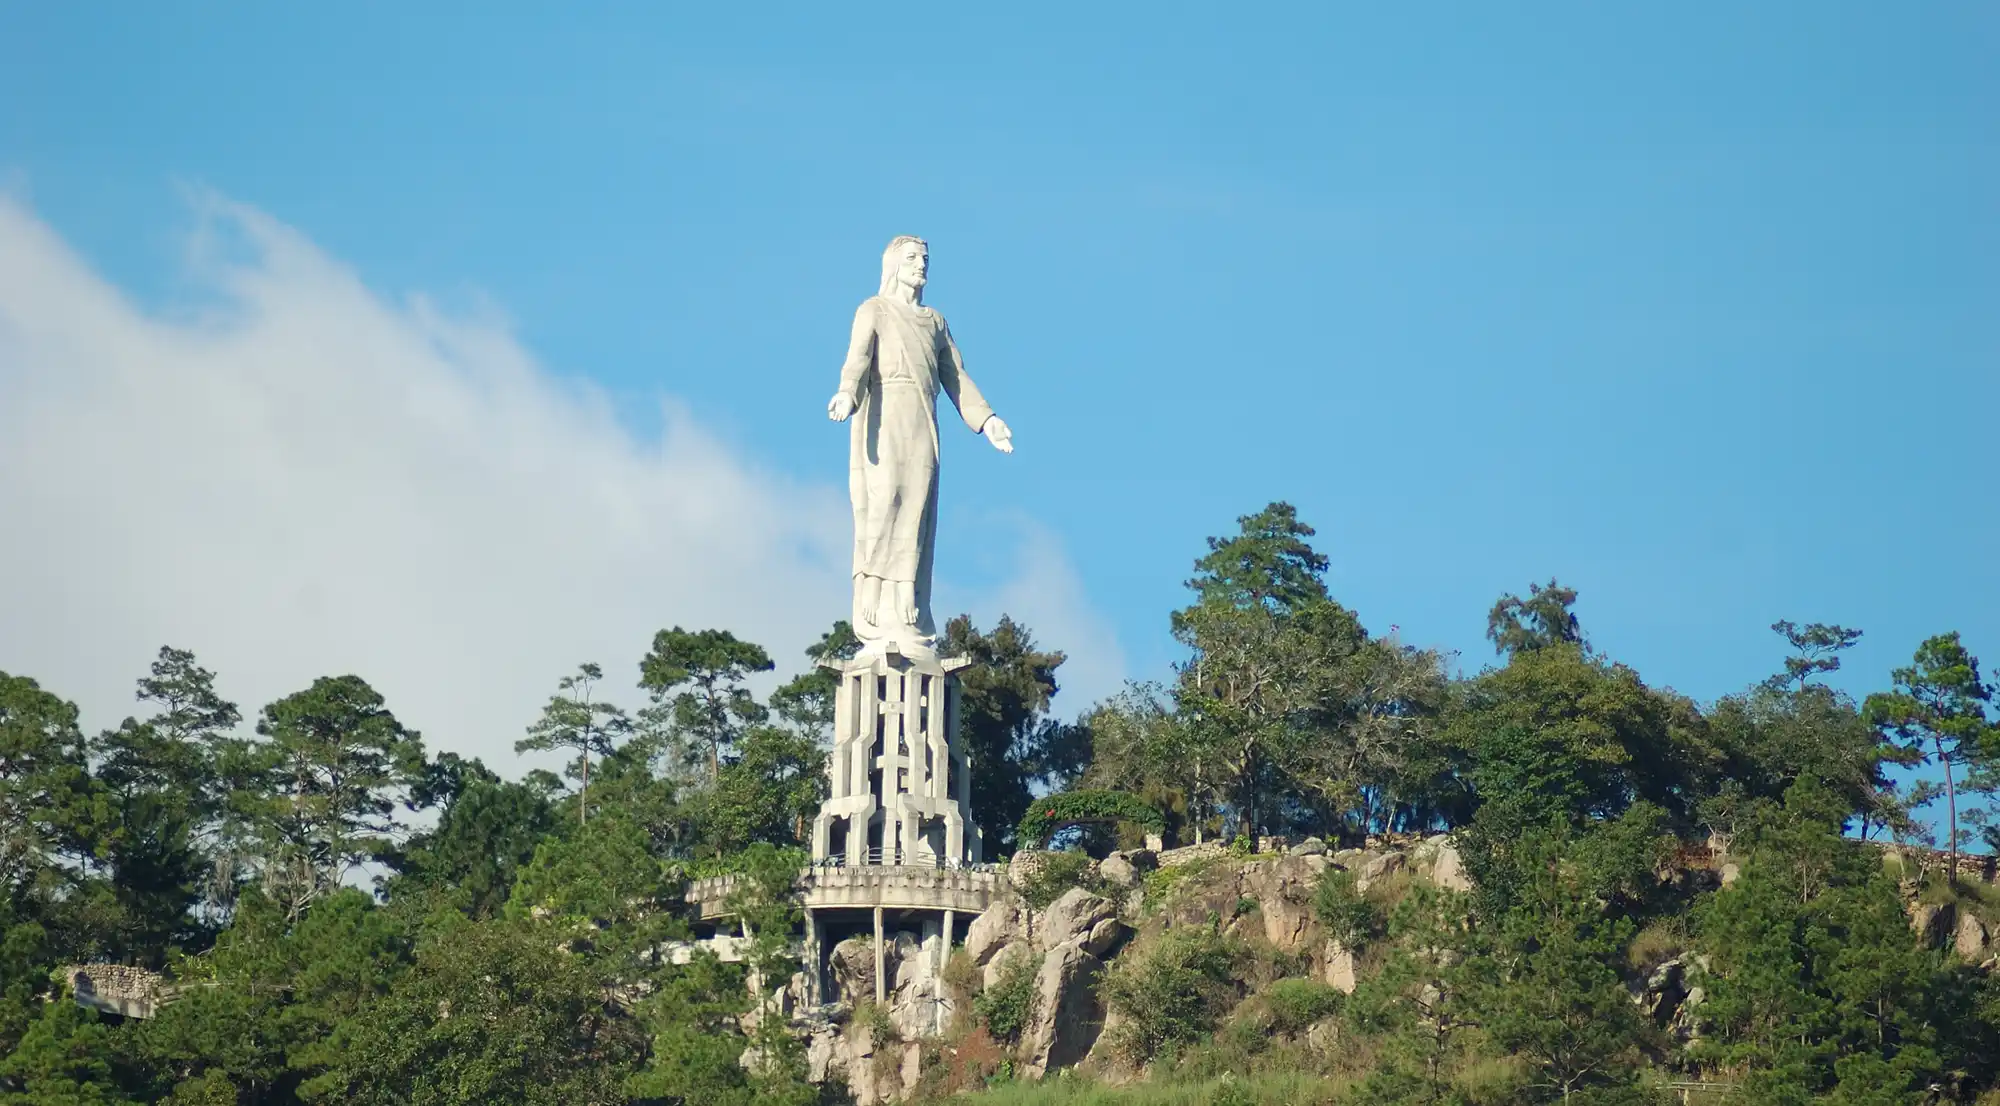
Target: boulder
{"type": "Point", "coordinates": [1069, 1016]}
{"type": "Point", "coordinates": [852, 965]}
{"type": "Point", "coordinates": [1284, 892]}
{"type": "Point", "coordinates": [991, 931]}
{"type": "Point", "coordinates": [1311, 846]}
{"type": "Point", "coordinates": [1340, 974]}
{"type": "Point", "coordinates": [1448, 870]}
{"type": "Point", "coordinates": [1071, 917]}
{"type": "Point", "coordinates": [1377, 868]}
{"type": "Point", "coordinates": [1323, 1036]}
{"type": "Point", "coordinates": [997, 966]}
{"type": "Point", "coordinates": [1936, 925]}
{"type": "Point", "coordinates": [1126, 869]}
{"type": "Point", "coordinates": [1104, 937]}
{"type": "Point", "coordinates": [1970, 939]}
{"type": "Point", "coordinates": [1118, 871]}
{"type": "Point", "coordinates": [1666, 992]}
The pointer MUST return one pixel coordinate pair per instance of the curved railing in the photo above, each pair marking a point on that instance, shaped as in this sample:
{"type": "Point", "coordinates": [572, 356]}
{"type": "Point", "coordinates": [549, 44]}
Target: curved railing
{"type": "Point", "coordinates": [897, 858]}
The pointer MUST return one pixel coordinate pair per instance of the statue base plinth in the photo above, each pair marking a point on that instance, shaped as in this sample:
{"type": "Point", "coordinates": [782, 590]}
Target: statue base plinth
{"type": "Point", "coordinates": [900, 789]}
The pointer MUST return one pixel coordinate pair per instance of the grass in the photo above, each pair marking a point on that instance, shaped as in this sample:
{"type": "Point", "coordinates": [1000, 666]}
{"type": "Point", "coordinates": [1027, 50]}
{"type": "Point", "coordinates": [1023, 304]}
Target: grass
{"type": "Point", "coordinates": [1273, 1089]}
{"type": "Point", "coordinates": [1658, 943]}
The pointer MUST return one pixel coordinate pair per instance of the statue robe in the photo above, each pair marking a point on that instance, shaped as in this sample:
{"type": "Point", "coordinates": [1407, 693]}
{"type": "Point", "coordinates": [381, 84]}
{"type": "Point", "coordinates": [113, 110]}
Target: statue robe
{"type": "Point", "coordinates": [898, 358]}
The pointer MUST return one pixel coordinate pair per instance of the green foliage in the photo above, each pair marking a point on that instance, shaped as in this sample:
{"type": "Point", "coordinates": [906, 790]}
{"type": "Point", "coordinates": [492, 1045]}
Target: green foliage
{"type": "Point", "coordinates": [1814, 965]}
{"type": "Point", "coordinates": [768, 792]}
{"type": "Point", "coordinates": [513, 949]}
{"type": "Point", "coordinates": [1297, 1003]}
{"type": "Point", "coordinates": [1421, 1009]}
{"type": "Point", "coordinates": [1349, 917]}
{"type": "Point", "coordinates": [327, 778]}
{"type": "Point", "coordinates": [1172, 994]}
{"type": "Point", "coordinates": [1816, 649]}
{"type": "Point", "coordinates": [1544, 619]}
{"type": "Point", "coordinates": [1003, 702]}
{"type": "Point", "coordinates": [1057, 872]}
{"type": "Point", "coordinates": [1006, 1007]}
{"type": "Point", "coordinates": [1937, 712]}
{"type": "Point", "coordinates": [1558, 734]}
{"type": "Point", "coordinates": [700, 705]}
{"type": "Point", "coordinates": [573, 720]}
{"type": "Point", "coordinates": [66, 1058]}
{"type": "Point", "coordinates": [806, 702]}
{"type": "Point", "coordinates": [487, 1014]}
{"type": "Point", "coordinates": [1051, 814]}
{"type": "Point", "coordinates": [486, 833]}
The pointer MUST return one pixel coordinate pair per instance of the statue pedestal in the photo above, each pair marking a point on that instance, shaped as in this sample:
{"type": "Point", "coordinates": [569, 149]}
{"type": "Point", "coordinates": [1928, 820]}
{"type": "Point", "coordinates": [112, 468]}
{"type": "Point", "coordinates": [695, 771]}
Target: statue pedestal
{"type": "Point", "coordinates": [900, 786]}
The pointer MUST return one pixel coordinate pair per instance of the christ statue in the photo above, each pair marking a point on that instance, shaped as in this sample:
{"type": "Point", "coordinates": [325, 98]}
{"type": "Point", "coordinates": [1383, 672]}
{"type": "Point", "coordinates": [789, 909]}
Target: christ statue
{"type": "Point", "coordinates": [899, 356]}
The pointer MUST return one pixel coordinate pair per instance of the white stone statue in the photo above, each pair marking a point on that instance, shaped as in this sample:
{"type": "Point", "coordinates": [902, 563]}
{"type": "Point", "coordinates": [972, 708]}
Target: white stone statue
{"type": "Point", "coordinates": [900, 354]}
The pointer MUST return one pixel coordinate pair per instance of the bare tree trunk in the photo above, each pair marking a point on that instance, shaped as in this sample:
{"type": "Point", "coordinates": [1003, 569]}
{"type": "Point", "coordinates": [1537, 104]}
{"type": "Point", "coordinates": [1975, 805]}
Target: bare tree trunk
{"type": "Point", "coordinates": [1951, 807]}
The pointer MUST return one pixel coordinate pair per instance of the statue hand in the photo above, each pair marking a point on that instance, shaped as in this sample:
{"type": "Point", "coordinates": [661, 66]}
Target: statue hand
{"type": "Point", "coordinates": [996, 432]}
{"type": "Point", "coordinates": [840, 407]}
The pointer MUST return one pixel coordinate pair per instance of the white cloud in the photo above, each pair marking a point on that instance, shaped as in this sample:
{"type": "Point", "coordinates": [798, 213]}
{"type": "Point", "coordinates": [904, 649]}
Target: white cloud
{"type": "Point", "coordinates": [300, 479]}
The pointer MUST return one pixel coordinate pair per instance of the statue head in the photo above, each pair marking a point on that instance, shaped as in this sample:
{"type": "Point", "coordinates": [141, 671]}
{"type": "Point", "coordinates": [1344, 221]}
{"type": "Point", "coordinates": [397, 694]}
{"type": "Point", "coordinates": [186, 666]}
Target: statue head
{"type": "Point", "coordinates": [906, 261]}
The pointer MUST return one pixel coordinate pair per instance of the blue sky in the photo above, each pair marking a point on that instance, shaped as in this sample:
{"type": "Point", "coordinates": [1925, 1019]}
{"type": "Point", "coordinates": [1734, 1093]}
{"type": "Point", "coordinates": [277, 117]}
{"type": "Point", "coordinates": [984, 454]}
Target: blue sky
{"type": "Point", "coordinates": [1697, 310]}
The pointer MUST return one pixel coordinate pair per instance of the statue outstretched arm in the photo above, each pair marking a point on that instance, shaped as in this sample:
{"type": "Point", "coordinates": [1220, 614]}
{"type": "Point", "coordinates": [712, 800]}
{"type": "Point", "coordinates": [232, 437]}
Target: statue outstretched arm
{"type": "Point", "coordinates": [853, 371]}
{"type": "Point", "coordinates": [957, 383]}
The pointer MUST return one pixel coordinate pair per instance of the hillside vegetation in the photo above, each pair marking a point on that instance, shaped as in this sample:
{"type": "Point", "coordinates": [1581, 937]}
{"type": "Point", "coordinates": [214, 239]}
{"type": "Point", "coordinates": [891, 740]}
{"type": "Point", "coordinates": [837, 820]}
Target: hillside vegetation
{"type": "Point", "coordinates": [1602, 887]}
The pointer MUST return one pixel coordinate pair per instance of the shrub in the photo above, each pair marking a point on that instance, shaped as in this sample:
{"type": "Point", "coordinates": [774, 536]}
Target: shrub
{"type": "Point", "coordinates": [876, 1018]}
{"type": "Point", "coordinates": [1298, 1003]}
{"type": "Point", "coordinates": [961, 975]}
{"type": "Point", "coordinates": [1053, 813]}
{"type": "Point", "coordinates": [1057, 873]}
{"type": "Point", "coordinates": [1172, 994]}
{"type": "Point", "coordinates": [1348, 916]}
{"type": "Point", "coordinates": [1006, 1008]}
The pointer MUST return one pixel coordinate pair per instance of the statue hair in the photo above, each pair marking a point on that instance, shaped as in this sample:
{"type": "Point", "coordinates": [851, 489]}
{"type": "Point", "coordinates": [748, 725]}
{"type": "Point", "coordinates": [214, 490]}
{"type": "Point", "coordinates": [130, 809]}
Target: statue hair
{"type": "Point", "coordinates": [890, 263]}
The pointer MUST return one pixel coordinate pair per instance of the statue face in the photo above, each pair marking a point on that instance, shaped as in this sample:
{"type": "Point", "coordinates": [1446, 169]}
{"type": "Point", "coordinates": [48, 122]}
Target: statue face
{"type": "Point", "coordinates": [913, 267]}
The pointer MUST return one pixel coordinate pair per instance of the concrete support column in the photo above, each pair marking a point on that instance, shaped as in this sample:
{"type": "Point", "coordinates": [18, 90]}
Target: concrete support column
{"type": "Point", "coordinates": [815, 959]}
{"type": "Point", "coordinates": [944, 947]}
{"type": "Point", "coordinates": [881, 962]}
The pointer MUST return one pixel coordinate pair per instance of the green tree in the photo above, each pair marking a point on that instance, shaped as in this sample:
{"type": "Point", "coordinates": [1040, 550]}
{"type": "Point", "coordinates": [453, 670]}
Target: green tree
{"type": "Point", "coordinates": [484, 836]}
{"type": "Point", "coordinates": [806, 701]}
{"type": "Point", "coordinates": [1560, 734]}
{"type": "Point", "coordinates": [1421, 1008]}
{"type": "Point", "coordinates": [573, 720]}
{"type": "Point", "coordinates": [768, 793]}
{"type": "Point", "coordinates": [489, 1013]}
{"type": "Point", "coordinates": [1812, 964]}
{"type": "Point", "coordinates": [699, 701]}
{"type": "Point", "coordinates": [171, 840]}
{"type": "Point", "coordinates": [1142, 746]}
{"type": "Point", "coordinates": [1937, 711]}
{"type": "Point", "coordinates": [66, 1058]}
{"type": "Point", "coordinates": [1816, 649]}
{"type": "Point", "coordinates": [261, 1010]}
{"type": "Point", "coordinates": [1268, 563]}
{"type": "Point", "coordinates": [1559, 918]}
{"type": "Point", "coordinates": [1004, 695]}
{"type": "Point", "coordinates": [333, 764]}
{"type": "Point", "coordinates": [764, 900]}
{"type": "Point", "coordinates": [1544, 618]}
{"type": "Point", "coordinates": [48, 801]}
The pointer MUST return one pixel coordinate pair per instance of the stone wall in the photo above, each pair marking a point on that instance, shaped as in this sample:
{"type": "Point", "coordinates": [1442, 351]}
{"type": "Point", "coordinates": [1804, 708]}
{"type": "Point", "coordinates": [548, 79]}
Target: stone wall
{"type": "Point", "coordinates": [116, 989]}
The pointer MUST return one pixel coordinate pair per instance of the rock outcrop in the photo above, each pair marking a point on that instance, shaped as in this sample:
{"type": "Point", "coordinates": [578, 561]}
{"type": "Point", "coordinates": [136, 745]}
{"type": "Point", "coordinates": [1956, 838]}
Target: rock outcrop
{"type": "Point", "coordinates": [1069, 1014]}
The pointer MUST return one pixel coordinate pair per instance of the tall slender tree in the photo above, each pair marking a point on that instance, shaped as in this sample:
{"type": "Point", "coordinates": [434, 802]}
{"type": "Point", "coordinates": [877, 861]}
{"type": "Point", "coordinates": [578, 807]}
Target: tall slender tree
{"type": "Point", "coordinates": [699, 701]}
{"type": "Point", "coordinates": [334, 763]}
{"type": "Point", "coordinates": [574, 720]}
{"type": "Point", "coordinates": [1937, 709]}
